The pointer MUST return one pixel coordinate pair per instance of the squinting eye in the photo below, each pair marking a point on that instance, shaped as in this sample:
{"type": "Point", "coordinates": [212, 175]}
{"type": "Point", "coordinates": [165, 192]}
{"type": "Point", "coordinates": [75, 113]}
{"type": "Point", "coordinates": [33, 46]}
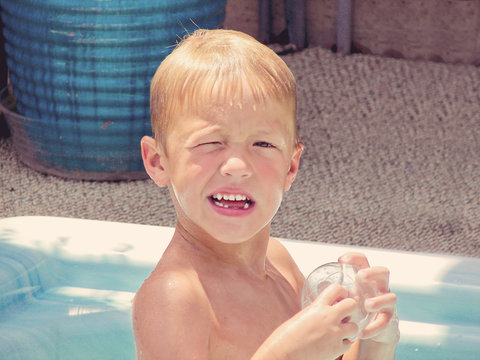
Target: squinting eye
{"type": "Point", "coordinates": [209, 143]}
{"type": "Point", "coordinates": [208, 146]}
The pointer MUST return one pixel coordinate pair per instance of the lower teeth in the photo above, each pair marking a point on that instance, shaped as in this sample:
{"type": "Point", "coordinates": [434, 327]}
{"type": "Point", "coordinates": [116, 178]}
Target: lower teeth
{"type": "Point", "coordinates": [220, 204]}
{"type": "Point", "coordinates": [246, 206]}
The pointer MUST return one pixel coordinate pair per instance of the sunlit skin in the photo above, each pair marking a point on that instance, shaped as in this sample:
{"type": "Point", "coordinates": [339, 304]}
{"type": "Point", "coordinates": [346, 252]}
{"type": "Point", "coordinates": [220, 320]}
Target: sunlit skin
{"type": "Point", "coordinates": [248, 152]}
{"type": "Point", "coordinates": [224, 289]}
{"type": "Point", "coordinates": [223, 110]}
{"type": "Point", "coordinates": [243, 149]}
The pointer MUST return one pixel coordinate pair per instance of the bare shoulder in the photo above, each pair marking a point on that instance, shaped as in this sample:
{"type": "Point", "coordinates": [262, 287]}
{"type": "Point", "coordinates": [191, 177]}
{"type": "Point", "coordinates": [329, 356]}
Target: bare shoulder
{"type": "Point", "coordinates": [278, 254]}
{"type": "Point", "coordinates": [283, 261]}
{"type": "Point", "coordinates": [171, 316]}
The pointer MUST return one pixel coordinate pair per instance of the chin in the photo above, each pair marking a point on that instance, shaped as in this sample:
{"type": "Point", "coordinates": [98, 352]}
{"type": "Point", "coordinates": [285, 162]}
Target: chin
{"type": "Point", "coordinates": [238, 237]}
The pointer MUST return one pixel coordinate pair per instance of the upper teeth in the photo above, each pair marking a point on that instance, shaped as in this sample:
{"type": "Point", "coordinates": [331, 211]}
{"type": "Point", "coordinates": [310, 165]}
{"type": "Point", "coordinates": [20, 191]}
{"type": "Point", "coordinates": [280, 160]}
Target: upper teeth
{"type": "Point", "coordinates": [230, 197]}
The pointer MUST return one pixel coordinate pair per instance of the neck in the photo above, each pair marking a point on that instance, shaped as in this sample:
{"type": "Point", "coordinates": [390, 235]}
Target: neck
{"type": "Point", "coordinates": [249, 255]}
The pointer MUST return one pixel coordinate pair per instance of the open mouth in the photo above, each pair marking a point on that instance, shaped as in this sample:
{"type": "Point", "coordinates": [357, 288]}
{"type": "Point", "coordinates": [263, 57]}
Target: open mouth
{"type": "Point", "coordinates": [231, 201]}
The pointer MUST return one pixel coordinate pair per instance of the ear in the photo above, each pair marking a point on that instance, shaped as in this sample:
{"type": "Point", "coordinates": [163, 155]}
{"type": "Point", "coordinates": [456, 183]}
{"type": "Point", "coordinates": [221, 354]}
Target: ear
{"type": "Point", "coordinates": [294, 165]}
{"type": "Point", "coordinates": [153, 159]}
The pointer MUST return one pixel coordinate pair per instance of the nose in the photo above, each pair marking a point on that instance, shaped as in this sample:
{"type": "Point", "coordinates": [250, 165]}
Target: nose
{"type": "Point", "coordinates": [236, 165]}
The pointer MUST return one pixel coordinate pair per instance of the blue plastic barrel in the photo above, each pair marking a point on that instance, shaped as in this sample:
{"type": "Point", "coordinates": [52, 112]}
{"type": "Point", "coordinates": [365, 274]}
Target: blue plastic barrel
{"type": "Point", "coordinates": [80, 72]}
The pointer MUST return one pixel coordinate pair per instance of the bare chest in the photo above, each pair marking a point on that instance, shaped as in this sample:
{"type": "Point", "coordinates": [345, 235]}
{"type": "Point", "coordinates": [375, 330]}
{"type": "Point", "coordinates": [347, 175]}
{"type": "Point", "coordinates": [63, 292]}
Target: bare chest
{"type": "Point", "coordinates": [246, 314]}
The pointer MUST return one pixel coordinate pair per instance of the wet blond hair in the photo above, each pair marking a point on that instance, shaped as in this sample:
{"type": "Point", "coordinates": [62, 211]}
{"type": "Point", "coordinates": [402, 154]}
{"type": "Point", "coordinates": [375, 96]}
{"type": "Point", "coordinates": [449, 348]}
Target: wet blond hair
{"type": "Point", "coordinates": [211, 66]}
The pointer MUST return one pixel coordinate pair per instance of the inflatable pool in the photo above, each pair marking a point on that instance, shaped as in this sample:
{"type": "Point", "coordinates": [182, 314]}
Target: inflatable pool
{"type": "Point", "coordinates": [66, 287]}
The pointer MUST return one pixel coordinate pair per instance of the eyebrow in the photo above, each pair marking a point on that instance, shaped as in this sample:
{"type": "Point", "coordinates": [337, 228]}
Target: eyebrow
{"type": "Point", "coordinates": [203, 132]}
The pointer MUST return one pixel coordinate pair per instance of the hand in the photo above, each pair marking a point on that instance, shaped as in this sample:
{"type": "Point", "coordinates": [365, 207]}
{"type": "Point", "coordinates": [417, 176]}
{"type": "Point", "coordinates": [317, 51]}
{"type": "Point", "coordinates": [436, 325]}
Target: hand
{"type": "Point", "coordinates": [383, 328]}
{"type": "Point", "coordinates": [320, 331]}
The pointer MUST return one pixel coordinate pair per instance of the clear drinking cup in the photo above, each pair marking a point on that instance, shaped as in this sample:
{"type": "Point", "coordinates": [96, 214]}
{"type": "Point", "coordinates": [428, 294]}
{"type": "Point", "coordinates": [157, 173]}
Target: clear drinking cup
{"type": "Point", "coordinates": [346, 276]}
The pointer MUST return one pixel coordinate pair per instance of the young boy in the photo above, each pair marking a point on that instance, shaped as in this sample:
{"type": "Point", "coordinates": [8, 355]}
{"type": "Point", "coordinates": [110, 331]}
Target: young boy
{"type": "Point", "coordinates": [223, 115]}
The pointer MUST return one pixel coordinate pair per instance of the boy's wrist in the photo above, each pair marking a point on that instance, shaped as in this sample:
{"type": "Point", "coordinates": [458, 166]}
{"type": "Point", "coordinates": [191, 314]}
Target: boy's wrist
{"type": "Point", "coordinates": [370, 349]}
{"type": "Point", "coordinates": [382, 346]}
{"type": "Point", "coordinates": [391, 335]}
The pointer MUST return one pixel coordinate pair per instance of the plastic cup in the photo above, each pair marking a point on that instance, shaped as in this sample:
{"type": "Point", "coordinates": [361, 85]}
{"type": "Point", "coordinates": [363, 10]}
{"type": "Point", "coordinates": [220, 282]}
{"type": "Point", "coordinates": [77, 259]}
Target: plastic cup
{"type": "Point", "coordinates": [346, 276]}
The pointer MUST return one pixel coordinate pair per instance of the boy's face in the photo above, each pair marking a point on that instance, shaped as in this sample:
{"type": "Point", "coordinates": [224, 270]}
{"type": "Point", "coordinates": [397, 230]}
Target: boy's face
{"type": "Point", "coordinates": [229, 166]}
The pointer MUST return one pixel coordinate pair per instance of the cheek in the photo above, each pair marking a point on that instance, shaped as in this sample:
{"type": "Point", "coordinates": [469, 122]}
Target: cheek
{"type": "Point", "coordinates": [184, 200]}
{"type": "Point", "coordinates": [184, 183]}
{"type": "Point", "coordinates": [274, 201]}
{"type": "Point", "coordinates": [271, 168]}
{"type": "Point", "coordinates": [274, 182]}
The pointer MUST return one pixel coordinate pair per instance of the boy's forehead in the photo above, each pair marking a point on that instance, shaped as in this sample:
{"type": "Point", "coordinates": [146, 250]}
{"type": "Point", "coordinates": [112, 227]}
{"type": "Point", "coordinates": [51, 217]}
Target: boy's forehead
{"type": "Point", "coordinates": [217, 115]}
{"type": "Point", "coordinates": [223, 95]}
{"type": "Point", "coordinates": [222, 110]}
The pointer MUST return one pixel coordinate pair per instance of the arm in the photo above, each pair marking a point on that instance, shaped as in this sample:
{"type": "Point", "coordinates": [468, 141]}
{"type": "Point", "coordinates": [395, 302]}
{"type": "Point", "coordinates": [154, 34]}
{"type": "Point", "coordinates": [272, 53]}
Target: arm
{"type": "Point", "coordinates": [380, 337]}
{"type": "Point", "coordinates": [171, 319]}
{"type": "Point", "coordinates": [319, 331]}
{"type": "Point", "coordinates": [316, 332]}
{"type": "Point", "coordinates": [303, 335]}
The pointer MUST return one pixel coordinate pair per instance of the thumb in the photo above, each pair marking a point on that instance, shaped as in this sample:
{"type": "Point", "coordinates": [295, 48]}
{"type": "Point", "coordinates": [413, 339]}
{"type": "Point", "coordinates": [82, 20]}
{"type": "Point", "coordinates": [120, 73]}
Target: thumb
{"type": "Point", "coordinates": [332, 294]}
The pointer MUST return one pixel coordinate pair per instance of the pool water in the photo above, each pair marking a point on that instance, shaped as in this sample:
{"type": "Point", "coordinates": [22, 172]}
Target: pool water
{"type": "Point", "coordinates": [66, 287]}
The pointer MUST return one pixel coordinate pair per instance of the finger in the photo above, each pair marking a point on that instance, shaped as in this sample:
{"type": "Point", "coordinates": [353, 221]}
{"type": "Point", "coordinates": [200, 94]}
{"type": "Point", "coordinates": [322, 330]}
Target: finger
{"type": "Point", "coordinates": [350, 330]}
{"type": "Point", "coordinates": [354, 258]}
{"type": "Point", "coordinates": [379, 275]}
{"type": "Point", "coordinates": [381, 302]}
{"type": "Point", "coordinates": [346, 345]}
{"type": "Point", "coordinates": [379, 323]}
{"type": "Point", "coordinates": [334, 293]}
{"type": "Point", "coordinates": [346, 308]}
